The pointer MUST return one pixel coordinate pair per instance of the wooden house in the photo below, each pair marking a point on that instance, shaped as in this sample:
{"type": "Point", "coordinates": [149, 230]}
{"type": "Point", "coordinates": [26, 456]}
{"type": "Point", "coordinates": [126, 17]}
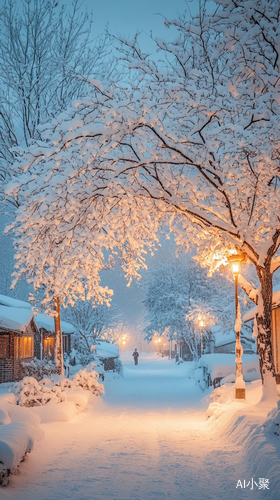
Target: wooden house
{"type": "Point", "coordinates": [275, 324]}
{"type": "Point", "coordinates": [45, 339]}
{"type": "Point", "coordinates": [17, 330]}
{"type": "Point", "coordinates": [18, 318]}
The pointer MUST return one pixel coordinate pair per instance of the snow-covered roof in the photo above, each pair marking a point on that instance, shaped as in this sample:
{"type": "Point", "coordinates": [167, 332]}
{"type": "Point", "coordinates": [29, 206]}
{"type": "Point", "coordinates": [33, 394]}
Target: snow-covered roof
{"type": "Point", "coordinates": [222, 338]}
{"type": "Point", "coordinates": [11, 302]}
{"type": "Point", "coordinates": [275, 303]}
{"type": "Point", "coordinates": [221, 365]}
{"type": "Point", "coordinates": [47, 323]}
{"type": "Point", "coordinates": [41, 319]}
{"type": "Point", "coordinates": [15, 319]}
{"type": "Point", "coordinates": [225, 338]}
{"type": "Point", "coordinates": [106, 350]}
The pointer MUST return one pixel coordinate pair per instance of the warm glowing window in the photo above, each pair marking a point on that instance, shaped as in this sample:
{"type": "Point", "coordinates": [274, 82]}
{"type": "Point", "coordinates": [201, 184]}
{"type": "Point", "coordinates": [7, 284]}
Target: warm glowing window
{"type": "Point", "coordinates": [49, 347]}
{"type": "Point", "coordinates": [24, 347]}
{"type": "Point", "coordinates": [4, 347]}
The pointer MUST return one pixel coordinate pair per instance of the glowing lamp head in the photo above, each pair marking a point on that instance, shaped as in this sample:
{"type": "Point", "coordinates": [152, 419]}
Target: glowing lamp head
{"type": "Point", "coordinates": [235, 262]}
{"type": "Point", "coordinates": [236, 268]}
{"type": "Point", "coordinates": [201, 323]}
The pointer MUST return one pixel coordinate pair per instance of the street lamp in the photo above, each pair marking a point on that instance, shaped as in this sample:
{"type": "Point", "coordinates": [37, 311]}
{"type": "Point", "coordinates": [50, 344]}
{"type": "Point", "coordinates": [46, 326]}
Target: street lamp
{"type": "Point", "coordinates": [201, 324]}
{"type": "Point", "coordinates": [235, 262]}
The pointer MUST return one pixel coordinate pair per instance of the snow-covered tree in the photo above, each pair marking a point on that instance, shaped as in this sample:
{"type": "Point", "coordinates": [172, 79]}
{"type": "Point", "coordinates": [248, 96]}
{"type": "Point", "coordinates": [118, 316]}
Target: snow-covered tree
{"type": "Point", "coordinates": [197, 137]}
{"type": "Point", "coordinates": [178, 293]}
{"type": "Point", "coordinates": [45, 57]}
{"type": "Point", "coordinates": [93, 322]}
{"type": "Point", "coordinates": [170, 289]}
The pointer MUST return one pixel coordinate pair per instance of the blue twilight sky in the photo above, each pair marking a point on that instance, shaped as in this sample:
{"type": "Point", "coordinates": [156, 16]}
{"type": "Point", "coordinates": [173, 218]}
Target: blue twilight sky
{"type": "Point", "coordinates": [125, 17]}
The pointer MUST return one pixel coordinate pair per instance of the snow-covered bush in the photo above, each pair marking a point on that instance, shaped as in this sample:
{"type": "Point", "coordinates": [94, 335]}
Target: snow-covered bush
{"type": "Point", "coordinates": [88, 379]}
{"type": "Point", "coordinates": [39, 368]}
{"type": "Point", "coordinates": [272, 424]}
{"type": "Point", "coordinates": [118, 366]}
{"type": "Point", "coordinates": [77, 357]}
{"type": "Point", "coordinates": [221, 397]}
{"type": "Point", "coordinates": [215, 410]}
{"type": "Point", "coordinates": [221, 394]}
{"type": "Point", "coordinates": [31, 392]}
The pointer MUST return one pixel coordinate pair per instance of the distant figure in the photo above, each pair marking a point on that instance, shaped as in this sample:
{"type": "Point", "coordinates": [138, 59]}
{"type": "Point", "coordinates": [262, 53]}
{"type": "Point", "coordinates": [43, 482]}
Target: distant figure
{"type": "Point", "coordinates": [136, 356]}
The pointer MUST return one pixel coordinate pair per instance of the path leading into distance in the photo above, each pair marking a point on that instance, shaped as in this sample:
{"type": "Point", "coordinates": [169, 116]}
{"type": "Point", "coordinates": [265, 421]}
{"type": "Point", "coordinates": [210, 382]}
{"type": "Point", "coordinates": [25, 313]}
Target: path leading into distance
{"type": "Point", "coordinates": [147, 438]}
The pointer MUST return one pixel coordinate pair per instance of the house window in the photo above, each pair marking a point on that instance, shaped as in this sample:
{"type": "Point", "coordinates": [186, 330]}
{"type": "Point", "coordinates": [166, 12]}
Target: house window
{"type": "Point", "coordinates": [48, 347]}
{"type": "Point", "coordinates": [4, 347]}
{"type": "Point", "coordinates": [24, 347]}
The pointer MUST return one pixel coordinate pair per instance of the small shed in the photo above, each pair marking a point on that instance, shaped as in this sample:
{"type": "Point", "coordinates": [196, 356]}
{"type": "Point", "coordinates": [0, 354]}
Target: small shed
{"type": "Point", "coordinates": [217, 366]}
{"type": "Point", "coordinates": [17, 330]}
{"type": "Point", "coordinates": [275, 326]}
{"type": "Point", "coordinates": [225, 342]}
{"type": "Point", "coordinates": [107, 353]}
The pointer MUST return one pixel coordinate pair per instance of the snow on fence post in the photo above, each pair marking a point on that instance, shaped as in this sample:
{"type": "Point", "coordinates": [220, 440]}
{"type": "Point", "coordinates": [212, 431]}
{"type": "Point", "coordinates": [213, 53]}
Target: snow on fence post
{"type": "Point", "coordinates": [58, 337]}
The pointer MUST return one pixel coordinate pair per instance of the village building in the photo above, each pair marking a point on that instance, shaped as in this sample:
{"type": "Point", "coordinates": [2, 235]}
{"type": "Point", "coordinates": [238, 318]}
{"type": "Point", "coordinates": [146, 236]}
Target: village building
{"type": "Point", "coordinates": [24, 337]}
{"type": "Point", "coordinates": [275, 326]}
{"type": "Point", "coordinates": [45, 338]}
{"type": "Point", "coordinates": [225, 342]}
{"type": "Point", "coordinates": [17, 331]}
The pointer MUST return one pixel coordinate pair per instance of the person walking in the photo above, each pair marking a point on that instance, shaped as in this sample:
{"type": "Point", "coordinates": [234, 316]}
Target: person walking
{"type": "Point", "coordinates": [136, 356]}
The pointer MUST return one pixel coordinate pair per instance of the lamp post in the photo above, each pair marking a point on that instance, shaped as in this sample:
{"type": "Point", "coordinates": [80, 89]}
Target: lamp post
{"type": "Point", "coordinates": [235, 262]}
{"type": "Point", "coordinates": [201, 325]}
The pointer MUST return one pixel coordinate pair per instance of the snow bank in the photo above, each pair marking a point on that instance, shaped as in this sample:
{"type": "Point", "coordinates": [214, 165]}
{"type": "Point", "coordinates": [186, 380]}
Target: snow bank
{"type": "Point", "coordinates": [106, 350]}
{"type": "Point", "coordinates": [53, 399]}
{"type": "Point", "coordinates": [62, 412]}
{"type": "Point", "coordinates": [18, 431]}
{"type": "Point", "coordinates": [272, 424]}
{"type": "Point", "coordinates": [16, 439]}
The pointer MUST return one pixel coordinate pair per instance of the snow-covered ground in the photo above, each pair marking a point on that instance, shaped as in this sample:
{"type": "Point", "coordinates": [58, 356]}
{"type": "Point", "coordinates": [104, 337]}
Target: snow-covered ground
{"type": "Point", "coordinates": [148, 438]}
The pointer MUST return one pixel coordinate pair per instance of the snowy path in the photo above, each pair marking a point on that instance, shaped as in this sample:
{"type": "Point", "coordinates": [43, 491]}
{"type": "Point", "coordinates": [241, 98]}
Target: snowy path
{"type": "Point", "coordinates": [146, 439]}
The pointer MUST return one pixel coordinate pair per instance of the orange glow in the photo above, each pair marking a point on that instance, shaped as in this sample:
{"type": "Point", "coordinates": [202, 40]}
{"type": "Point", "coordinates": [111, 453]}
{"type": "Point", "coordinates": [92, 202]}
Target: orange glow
{"type": "Point", "coordinates": [235, 267]}
{"type": "Point", "coordinates": [201, 323]}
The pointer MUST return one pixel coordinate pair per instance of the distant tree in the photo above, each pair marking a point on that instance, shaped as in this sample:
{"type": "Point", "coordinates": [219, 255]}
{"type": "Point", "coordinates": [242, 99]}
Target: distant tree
{"type": "Point", "coordinates": [178, 293]}
{"type": "Point", "coordinates": [94, 322]}
{"type": "Point", "coordinates": [169, 289]}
